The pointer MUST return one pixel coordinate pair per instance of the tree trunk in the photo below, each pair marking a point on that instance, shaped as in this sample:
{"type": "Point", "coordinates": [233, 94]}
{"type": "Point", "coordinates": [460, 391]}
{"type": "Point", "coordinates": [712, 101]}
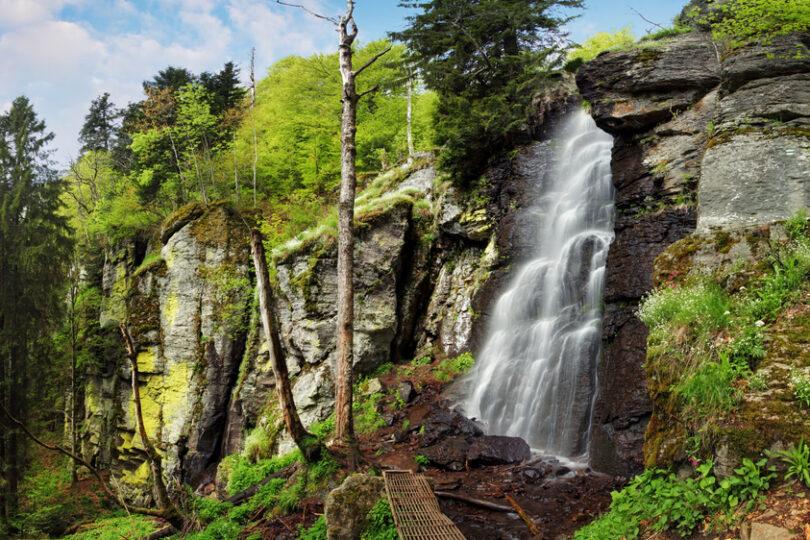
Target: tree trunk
{"type": "Point", "coordinates": [235, 172]}
{"type": "Point", "coordinates": [306, 442]}
{"type": "Point", "coordinates": [204, 197]}
{"type": "Point", "coordinates": [152, 457]}
{"type": "Point", "coordinates": [253, 122]}
{"type": "Point", "coordinates": [408, 117]}
{"type": "Point", "coordinates": [344, 422]}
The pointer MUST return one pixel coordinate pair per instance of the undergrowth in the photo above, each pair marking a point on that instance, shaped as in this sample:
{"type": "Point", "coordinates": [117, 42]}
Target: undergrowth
{"type": "Point", "coordinates": [658, 501]}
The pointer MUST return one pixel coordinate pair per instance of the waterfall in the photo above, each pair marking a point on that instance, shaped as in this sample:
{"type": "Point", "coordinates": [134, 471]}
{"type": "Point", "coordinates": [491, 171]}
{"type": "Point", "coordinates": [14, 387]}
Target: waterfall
{"type": "Point", "coordinates": [535, 376]}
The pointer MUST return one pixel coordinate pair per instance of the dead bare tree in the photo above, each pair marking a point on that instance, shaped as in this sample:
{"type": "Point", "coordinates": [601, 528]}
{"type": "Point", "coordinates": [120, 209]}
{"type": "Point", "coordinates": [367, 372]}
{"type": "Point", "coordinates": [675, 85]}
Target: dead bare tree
{"type": "Point", "coordinates": [253, 122]}
{"type": "Point", "coordinates": [347, 32]}
{"type": "Point", "coordinates": [305, 441]}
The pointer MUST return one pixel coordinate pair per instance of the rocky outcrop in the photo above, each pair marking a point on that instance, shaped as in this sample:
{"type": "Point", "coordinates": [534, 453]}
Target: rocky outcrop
{"type": "Point", "coordinates": [706, 139]}
{"type": "Point", "coordinates": [186, 309]}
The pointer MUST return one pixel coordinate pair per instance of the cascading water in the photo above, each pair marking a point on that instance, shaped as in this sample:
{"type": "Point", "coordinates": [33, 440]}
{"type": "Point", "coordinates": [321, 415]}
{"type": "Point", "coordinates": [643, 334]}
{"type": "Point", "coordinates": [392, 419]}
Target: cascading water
{"type": "Point", "coordinates": [535, 377]}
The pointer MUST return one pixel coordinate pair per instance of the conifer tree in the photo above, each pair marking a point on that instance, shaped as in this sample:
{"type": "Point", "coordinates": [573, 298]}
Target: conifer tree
{"type": "Point", "coordinates": [485, 59]}
{"type": "Point", "coordinates": [34, 252]}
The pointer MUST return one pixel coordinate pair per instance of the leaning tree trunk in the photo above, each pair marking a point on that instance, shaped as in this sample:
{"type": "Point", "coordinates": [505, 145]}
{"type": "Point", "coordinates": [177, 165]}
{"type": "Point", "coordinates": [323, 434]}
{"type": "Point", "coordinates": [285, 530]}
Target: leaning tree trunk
{"type": "Point", "coordinates": [152, 457]}
{"type": "Point", "coordinates": [306, 442]}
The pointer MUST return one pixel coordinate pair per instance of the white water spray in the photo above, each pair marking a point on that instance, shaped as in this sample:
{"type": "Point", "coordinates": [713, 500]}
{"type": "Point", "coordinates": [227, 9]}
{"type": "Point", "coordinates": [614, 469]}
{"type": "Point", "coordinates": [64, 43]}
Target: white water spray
{"type": "Point", "coordinates": [536, 375]}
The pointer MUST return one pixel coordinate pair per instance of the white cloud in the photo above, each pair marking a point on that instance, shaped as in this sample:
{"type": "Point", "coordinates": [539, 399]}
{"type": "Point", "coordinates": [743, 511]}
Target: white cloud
{"type": "Point", "coordinates": [5, 107]}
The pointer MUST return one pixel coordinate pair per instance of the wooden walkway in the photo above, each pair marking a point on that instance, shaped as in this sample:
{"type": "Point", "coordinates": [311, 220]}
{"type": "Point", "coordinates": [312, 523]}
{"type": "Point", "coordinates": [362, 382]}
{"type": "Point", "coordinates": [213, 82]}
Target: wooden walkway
{"type": "Point", "coordinates": [415, 508]}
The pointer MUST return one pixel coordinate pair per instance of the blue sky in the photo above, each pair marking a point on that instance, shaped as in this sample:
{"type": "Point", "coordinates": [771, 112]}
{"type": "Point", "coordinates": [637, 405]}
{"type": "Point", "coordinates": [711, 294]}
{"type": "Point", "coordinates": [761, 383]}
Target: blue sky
{"type": "Point", "coordinates": [63, 53]}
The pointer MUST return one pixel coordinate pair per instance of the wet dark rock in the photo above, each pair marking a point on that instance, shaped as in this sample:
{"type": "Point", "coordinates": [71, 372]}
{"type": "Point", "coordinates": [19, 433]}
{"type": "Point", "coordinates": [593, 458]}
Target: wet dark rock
{"type": "Point", "coordinates": [450, 454]}
{"type": "Point", "coordinates": [442, 424]}
{"type": "Point", "coordinates": [406, 391]}
{"type": "Point", "coordinates": [498, 450]}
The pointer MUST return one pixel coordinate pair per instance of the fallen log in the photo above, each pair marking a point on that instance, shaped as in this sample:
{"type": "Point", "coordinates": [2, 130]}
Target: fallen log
{"type": "Point", "coordinates": [477, 502]}
{"type": "Point", "coordinates": [245, 494]}
{"type": "Point", "coordinates": [525, 517]}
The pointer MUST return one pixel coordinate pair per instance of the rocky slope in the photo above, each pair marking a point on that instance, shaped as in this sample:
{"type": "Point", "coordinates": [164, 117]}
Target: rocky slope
{"type": "Point", "coordinates": [706, 139]}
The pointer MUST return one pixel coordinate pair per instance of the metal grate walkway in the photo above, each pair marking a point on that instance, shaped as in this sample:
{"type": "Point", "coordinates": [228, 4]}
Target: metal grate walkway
{"type": "Point", "coordinates": [416, 511]}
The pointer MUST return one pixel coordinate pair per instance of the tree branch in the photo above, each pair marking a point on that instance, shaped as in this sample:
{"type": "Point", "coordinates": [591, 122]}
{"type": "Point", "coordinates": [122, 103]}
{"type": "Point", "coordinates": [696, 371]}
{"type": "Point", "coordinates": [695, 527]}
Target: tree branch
{"type": "Point", "coordinates": [324, 17]}
{"type": "Point", "coordinates": [86, 464]}
{"type": "Point", "coordinates": [646, 19]}
{"type": "Point", "coordinates": [369, 91]}
{"type": "Point", "coordinates": [474, 42]}
{"type": "Point", "coordinates": [374, 59]}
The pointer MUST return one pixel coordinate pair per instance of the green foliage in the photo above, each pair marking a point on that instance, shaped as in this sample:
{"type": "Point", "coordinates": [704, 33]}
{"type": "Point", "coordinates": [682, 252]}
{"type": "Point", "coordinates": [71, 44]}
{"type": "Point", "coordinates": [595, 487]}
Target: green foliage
{"type": "Point", "coordinates": [384, 369]}
{"type": "Point", "coordinates": [485, 60]}
{"type": "Point", "coordinates": [665, 33]}
{"type": "Point", "coordinates": [657, 500]}
{"type": "Point", "coordinates": [316, 532]}
{"type": "Point", "coordinates": [702, 306]}
{"type": "Point", "coordinates": [120, 526]}
{"type": "Point", "coordinates": [425, 360]}
{"type": "Point", "coordinates": [450, 367]}
{"type": "Point", "coordinates": [244, 473]}
{"type": "Point", "coordinates": [367, 417]}
{"type": "Point", "coordinates": [35, 247]}
{"type": "Point", "coordinates": [801, 387]}
{"type": "Point", "coordinates": [798, 460]}
{"type": "Point", "coordinates": [600, 42]}
{"type": "Point", "coordinates": [324, 429]}
{"type": "Point", "coordinates": [743, 21]}
{"type": "Point", "coordinates": [421, 460]}
{"type": "Point", "coordinates": [208, 510]}
{"type": "Point", "coordinates": [381, 523]}
{"type": "Point", "coordinates": [796, 226]}
{"type": "Point", "coordinates": [709, 390]}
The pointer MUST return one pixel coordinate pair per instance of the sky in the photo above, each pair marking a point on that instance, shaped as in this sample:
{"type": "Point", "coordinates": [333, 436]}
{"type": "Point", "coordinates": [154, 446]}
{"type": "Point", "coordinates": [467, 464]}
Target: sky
{"type": "Point", "coordinates": [61, 54]}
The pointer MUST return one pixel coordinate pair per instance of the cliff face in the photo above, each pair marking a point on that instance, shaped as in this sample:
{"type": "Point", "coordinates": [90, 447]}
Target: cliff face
{"type": "Point", "coordinates": [706, 139]}
{"type": "Point", "coordinates": [429, 261]}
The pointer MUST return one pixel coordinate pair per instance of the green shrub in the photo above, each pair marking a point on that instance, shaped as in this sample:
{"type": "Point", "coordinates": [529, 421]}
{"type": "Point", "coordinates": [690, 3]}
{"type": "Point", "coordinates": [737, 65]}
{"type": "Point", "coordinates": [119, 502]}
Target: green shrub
{"type": "Point", "coordinates": [659, 501]}
{"type": "Point", "coordinates": [381, 523]}
{"type": "Point", "coordinates": [796, 226]}
{"type": "Point", "coordinates": [798, 459]}
{"type": "Point", "coordinates": [421, 460]}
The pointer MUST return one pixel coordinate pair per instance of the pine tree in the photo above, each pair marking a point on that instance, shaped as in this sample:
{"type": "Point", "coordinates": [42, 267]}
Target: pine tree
{"type": "Point", "coordinates": [100, 128]}
{"type": "Point", "coordinates": [34, 252]}
{"type": "Point", "coordinates": [485, 59]}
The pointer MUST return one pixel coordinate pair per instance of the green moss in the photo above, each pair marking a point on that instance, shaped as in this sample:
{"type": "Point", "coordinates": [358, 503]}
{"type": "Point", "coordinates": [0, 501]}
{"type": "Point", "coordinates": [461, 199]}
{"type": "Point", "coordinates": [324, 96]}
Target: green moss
{"type": "Point", "coordinates": [649, 55]}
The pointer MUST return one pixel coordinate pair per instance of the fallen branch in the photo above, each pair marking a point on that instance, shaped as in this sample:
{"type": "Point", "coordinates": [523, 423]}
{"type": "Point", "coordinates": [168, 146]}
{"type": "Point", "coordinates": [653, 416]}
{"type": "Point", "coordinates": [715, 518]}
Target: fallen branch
{"type": "Point", "coordinates": [245, 494]}
{"type": "Point", "coordinates": [85, 463]}
{"type": "Point", "coordinates": [165, 532]}
{"type": "Point", "coordinates": [646, 19]}
{"type": "Point", "coordinates": [524, 516]}
{"type": "Point", "coordinates": [477, 502]}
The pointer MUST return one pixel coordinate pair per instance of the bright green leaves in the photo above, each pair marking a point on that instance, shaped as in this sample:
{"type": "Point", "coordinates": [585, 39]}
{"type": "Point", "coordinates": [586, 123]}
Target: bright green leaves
{"type": "Point", "coordinates": [743, 21]}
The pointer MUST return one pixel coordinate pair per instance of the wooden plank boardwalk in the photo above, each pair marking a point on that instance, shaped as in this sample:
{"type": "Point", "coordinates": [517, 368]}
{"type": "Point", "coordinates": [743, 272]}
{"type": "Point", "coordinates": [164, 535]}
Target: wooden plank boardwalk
{"type": "Point", "coordinates": [415, 509]}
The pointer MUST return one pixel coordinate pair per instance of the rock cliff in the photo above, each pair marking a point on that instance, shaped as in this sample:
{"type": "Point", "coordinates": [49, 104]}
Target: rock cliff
{"type": "Point", "coordinates": [706, 139]}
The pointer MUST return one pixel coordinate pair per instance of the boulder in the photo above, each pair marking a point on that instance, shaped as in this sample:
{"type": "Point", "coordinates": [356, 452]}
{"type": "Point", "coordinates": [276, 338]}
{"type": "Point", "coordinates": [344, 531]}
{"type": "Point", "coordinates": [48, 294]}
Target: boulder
{"type": "Point", "coordinates": [442, 424]}
{"type": "Point", "coordinates": [347, 507]}
{"type": "Point", "coordinates": [450, 454]}
{"type": "Point", "coordinates": [498, 450]}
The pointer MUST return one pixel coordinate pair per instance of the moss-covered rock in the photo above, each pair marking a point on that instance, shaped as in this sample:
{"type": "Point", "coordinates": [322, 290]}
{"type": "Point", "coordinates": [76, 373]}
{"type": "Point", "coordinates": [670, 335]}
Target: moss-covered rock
{"type": "Point", "coordinates": [347, 507]}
